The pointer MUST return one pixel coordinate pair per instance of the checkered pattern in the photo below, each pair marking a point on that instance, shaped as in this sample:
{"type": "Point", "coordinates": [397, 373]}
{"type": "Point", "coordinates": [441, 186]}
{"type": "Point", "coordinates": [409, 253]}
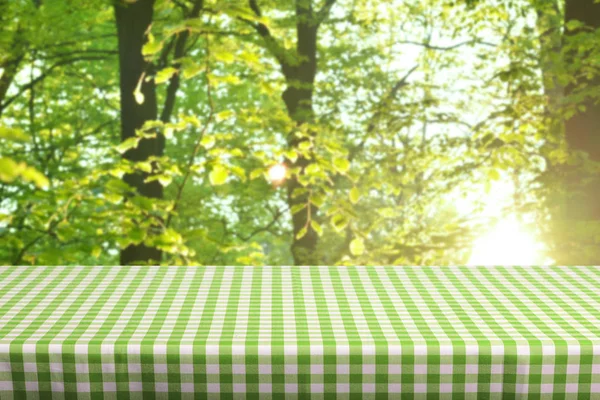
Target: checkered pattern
{"type": "Point", "coordinates": [268, 332]}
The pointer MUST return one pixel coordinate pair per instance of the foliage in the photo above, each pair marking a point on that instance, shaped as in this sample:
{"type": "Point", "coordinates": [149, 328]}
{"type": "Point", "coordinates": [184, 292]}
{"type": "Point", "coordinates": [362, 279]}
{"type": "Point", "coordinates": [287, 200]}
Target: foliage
{"type": "Point", "coordinates": [416, 103]}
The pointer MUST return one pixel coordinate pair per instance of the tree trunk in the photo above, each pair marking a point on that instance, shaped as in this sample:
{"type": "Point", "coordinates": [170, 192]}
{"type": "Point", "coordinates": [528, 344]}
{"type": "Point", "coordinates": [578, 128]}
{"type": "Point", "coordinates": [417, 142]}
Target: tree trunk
{"type": "Point", "coordinates": [298, 98]}
{"type": "Point", "coordinates": [133, 20]}
{"type": "Point", "coordinates": [549, 24]}
{"type": "Point", "coordinates": [10, 67]}
{"type": "Point", "coordinates": [581, 208]}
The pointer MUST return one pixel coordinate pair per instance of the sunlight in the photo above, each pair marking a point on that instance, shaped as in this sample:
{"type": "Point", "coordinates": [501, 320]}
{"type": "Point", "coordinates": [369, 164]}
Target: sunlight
{"type": "Point", "coordinates": [508, 243]}
{"type": "Point", "coordinates": [277, 173]}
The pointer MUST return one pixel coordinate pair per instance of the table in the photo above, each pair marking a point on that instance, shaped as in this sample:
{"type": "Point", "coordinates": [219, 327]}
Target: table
{"type": "Point", "coordinates": [274, 332]}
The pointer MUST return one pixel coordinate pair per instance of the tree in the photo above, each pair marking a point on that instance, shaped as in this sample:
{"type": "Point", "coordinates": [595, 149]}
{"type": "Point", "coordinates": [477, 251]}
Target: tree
{"type": "Point", "coordinates": [582, 130]}
{"type": "Point", "coordinates": [573, 150]}
{"type": "Point", "coordinates": [138, 106]}
{"type": "Point", "coordinates": [385, 113]}
{"type": "Point", "coordinates": [299, 68]}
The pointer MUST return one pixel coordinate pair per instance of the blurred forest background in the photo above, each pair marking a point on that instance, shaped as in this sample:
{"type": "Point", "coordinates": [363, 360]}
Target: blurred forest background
{"type": "Point", "coordinates": [299, 131]}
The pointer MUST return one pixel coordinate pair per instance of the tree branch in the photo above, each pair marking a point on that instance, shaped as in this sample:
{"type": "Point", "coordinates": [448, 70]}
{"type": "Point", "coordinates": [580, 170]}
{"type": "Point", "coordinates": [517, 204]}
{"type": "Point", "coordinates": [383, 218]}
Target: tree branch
{"type": "Point", "coordinates": [271, 43]}
{"type": "Point", "coordinates": [323, 13]}
{"type": "Point", "coordinates": [430, 46]}
{"type": "Point", "coordinates": [180, 51]}
{"type": "Point", "coordinates": [49, 231]}
{"type": "Point", "coordinates": [278, 213]}
{"type": "Point", "coordinates": [44, 75]}
{"type": "Point", "coordinates": [200, 136]}
{"type": "Point", "coordinates": [380, 108]}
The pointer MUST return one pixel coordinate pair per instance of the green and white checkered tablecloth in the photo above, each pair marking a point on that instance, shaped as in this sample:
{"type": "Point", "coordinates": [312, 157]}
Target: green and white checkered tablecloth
{"type": "Point", "coordinates": [274, 332]}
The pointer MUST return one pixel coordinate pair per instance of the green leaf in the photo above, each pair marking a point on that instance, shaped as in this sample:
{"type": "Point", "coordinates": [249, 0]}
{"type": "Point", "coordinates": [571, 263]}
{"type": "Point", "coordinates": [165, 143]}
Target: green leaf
{"type": "Point", "coordinates": [573, 25]}
{"type": "Point", "coordinates": [316, 227]}
{"type": "Point", "coordinates": [218, 175]}
{"type": "Point", "coordinates": [9, 169]}
{"type": "Point", "coordinates": [357, 247]}
{"type": "Point", "coordinates": [312, 169]}
{"type": "Point", "coordinates": [301, 233]}
{"type": "Point", "coordinates": [304, 146]}
{"type": "Point", "coordinates": [113, 198]}
{"type": "Point", "coordinates": [190, 69]}
{"type": "Point", "coordinates": [65, 231]}
{"type": "Point", "coordinates": [239, 172]}
{"type": "Point", "coordinates": [164, 74]}
{"type": "Point", "coordinates": [299, 192]}
{"type": "Point", "coordinates": [142, 202]}
{"type": "Point", "coordinates": [236, 11]}
{"type": "Point", "coordinates": [296, 208]}
{"type": "Point", "coordinates": [493, 174]}
{"type": "Point", "coordinates": [165, 180]}
{"type": "Point", "coordinates": [339, 222]}
{"type": "Point", "coordinates": [34, 176]}
{"type": "Point", "coordinates": [144, 166]}
{"type": "Point", "coordinates": [117, 186]}
{"type": "Point", "coordinates": [14, 134]}
{"type": "Point", "coordinates": [318, 199]}
{"type": "Point", "coordinates": [137, 235]}
{"type": "Point", "coordinates": [256, 173]}
{"type": "Point", "coordinates": [226, 57]}
{"type": "Point", "coordinates": [152, 46]}
{"type": "Point", "coordinates": [291, 155]}
{"type": "Point", "coordinates": [354, 195]}
{"type": "Point", "coordinates": [138, 95]}
{"type": "Point", "coordinates": [129, 143]}
{"type": "Point", "coordinates": [386, 212]}
{"type": "Point", "coordinates": [223, 115]}
{"type": "Point", "coordinates": [207, 142]}
{"type": "Point", "coordinates": [341, 165]}
{"type": "Point", "coordinates": [96, 251]}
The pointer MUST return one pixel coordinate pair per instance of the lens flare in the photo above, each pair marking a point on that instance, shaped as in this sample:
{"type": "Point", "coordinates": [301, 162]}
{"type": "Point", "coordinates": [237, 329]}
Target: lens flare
{"type": "Point", "coordinates": [277, 173]}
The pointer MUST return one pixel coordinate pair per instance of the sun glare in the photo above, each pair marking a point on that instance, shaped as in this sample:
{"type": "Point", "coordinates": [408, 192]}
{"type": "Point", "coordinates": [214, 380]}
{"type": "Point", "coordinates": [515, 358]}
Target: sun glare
{"type": "Point", "coordinates": [277, 173]}
{"type": "Point", "coordinates": [508, 243]}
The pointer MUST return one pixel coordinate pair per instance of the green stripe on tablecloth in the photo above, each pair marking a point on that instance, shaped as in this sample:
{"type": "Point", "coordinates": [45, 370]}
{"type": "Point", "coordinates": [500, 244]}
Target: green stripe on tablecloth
{"type": "Point", "coordinates": [559, 310]}
{"type": "Point", "coordinates": [474, 335]}
{"type": "Point", "coordinates": [180, 362]}
{"type": "Point", "coordinates": [535, 339]}
{"type": "Point", "coordinates": [204, 324]}
{"type": "Point", "coordinates": [362, 296]}
{"type": "Point", "coordinates": [509, 361]}
{"type": "Point", "coordinates": [369, 362]}
{"type": "Point", "coordinates": [11, 272]}
{"type": "Point", "coordinates": [299, 312]}
{"type": "Point", "coordinates": [110, 315]}
{"type": "Point", "coordinates": [250, 355]}
{"type": "Point", "coordinates": [311, 283]}
{"type": "Point", "coordinates": [399, 327]}
{"type": "Point", "coordinates": [154, 320]}
{"type": "Point", "coordinates": [277, 310]}
{"type": "Point", "coordinates": [529, 290]}
{"type": "Point", "coordinates": [332, 279]}
{"type": "Point", "coordinates": [510, 286]}
{"type": "Point", "coordinates": [18, 356]}
{"type": "Point", "coordinates": [579, 291]}
{"type": "Point", "coordinates": [471, 307]}
{"type": "Point", "coordinates": [536, 298]}
{"type": "Point", "coordinates": [587, 359]}
{"type": "Point", "coordinates": [43, 354]}
{"type": "Point", "coordinates": [401, 295]}
{"type": "Point", "coordinates": [36, 275]}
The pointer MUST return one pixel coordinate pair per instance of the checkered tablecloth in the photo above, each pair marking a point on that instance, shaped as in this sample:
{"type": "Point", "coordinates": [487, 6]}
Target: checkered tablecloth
{"type": "Point", "coordinates": [274, 332]}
